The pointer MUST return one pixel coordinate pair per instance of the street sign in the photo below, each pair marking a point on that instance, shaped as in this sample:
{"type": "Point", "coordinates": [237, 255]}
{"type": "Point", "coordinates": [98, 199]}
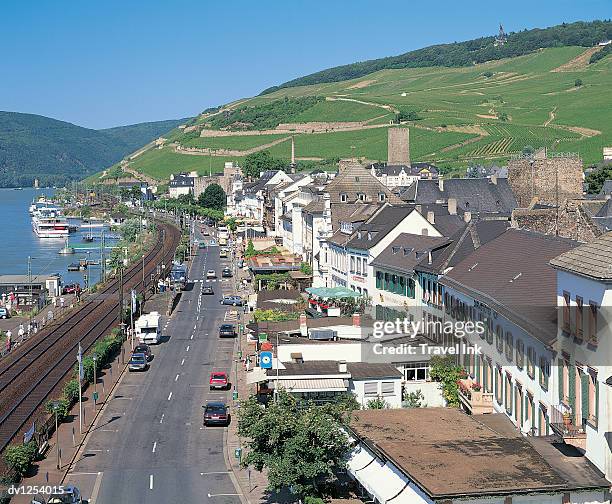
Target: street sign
{"type": "Point", "coordinates": [95, 396]}
{"type": "Point", "coordinates": [265, 360]}
{"type": "Point", "coordinates": [263, 337]}
{"type": "Point", "coordinates": [237, 453]}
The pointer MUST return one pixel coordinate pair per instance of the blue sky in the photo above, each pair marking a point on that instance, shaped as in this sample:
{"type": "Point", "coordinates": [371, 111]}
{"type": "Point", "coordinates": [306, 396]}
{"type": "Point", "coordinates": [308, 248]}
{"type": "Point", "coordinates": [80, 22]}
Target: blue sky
{"type": "Point", "coordinates": [103, 63]}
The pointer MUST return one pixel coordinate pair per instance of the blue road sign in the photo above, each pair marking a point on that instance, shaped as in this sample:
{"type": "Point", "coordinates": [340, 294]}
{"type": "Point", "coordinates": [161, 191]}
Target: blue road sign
{"type": "Point", "coordinates": [265, 360]}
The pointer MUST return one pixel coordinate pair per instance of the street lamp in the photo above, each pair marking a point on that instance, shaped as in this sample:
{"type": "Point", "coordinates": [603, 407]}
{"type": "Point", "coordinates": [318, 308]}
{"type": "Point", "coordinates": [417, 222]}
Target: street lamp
{"type": "Point", "coordinates": [143, 282]}
{"type": "Point", "coordinates": [95, 379]}
{"type": "Point", "coordinates": [56, 406]}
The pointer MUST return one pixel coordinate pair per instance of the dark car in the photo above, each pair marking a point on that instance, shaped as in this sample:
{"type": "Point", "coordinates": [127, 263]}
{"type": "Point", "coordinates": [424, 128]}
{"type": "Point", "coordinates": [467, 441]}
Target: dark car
{"type": "Point", "coordinates": [216, 413]}
{"type": "Point", "coordinates": [138, 362]}
{"type": "Point", "coordinates": [202, 245]}
{"type": "Point", "coordinates": [207, 291]}
{"type": "Point", "coordinates": [68, 495]}
{"type": "Point", "coordinates": [144, 349]}
{"type": "Point", "coordinates": [4, 313]}
{"type": "Point", "coordinates": [227, 331]}
{"type": "Point", "coordinates": [232, 300]}
{"type": "Point", "coordinates": [226, 273]}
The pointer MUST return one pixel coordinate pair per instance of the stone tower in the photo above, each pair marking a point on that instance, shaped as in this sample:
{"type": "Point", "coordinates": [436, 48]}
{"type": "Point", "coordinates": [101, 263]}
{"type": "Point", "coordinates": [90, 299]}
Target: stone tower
{"type": "Point", "coordinates": [398, 146]}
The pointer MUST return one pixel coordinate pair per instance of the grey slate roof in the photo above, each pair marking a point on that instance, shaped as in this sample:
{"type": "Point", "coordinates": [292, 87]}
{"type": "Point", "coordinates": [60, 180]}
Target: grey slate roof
{"type": "Point", "coordinates": [476, 195]}
{"type": "Point", "coordinates": [607, 187]}
{"type": "Point", "coordinates": [593, 259]}
{"type": "Point", "coordinates": [379, 226]}
{"type": "Point", "coordinates": [408, 250]}
{"type": "Point", "coordinates": [512, 275]}
{"type": "Point", "coordinates": [357, 180]}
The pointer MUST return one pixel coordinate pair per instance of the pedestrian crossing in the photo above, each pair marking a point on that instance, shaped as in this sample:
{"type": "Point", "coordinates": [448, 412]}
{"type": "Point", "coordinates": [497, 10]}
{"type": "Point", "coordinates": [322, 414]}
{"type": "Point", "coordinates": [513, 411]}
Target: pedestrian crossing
{"type": "Point", "coordinates": [212, 280]}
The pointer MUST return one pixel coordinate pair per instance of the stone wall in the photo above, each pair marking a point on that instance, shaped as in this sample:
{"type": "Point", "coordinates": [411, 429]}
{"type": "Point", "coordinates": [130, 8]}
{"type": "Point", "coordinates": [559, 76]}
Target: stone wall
{"type": "Point", "coordinates": [398, 146]}
{"type": "Point", "coordinates": [552, 180]}
{"type": "Point", "coordinates": [571, 221]}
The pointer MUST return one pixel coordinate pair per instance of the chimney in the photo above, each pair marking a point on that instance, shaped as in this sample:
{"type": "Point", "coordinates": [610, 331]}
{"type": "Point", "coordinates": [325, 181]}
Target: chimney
{"type": "Point", "coordinates": [431, 217]}
{"type": "Point", "coordinates": [303, 327]}
{"type": "Point", "coordinates": [494, 178]}
{"type": "Point", "coordinates": [452, 206]}
{"type": "Point", "coordinates": [356, 320]}
{"type": "Point", "coordinates": [342, 367]}
{"type": "Point", "coordinates": [467, 216]}
{"type": "Point", "coordinates": [441, 184]}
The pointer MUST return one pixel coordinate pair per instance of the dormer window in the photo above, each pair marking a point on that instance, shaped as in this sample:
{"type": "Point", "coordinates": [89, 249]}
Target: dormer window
{"type": "Point", "coordinates": [361, 196]}
{"type": "Point", "coordinates": [343, 198]}
{"type": "Point", "coordinates": [395, 249]}
{"type": "Point", "coordinates": [381, 196]}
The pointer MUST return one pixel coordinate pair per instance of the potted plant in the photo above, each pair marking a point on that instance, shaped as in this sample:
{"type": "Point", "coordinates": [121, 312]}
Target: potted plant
{"type": "Point", "coordinates": [476, 387]}
{"type": "Point", "coordinates": [567, 419]}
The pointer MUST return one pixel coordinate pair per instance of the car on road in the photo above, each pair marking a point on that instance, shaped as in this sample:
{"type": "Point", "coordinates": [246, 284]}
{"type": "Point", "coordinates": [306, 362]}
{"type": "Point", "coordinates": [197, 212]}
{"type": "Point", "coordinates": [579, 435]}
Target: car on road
{"type": "Point", "coordinates": [202, 245]}
{"type": "Point", "coordinates": [226, 273]}
{"type": "Point", "coordinates": [223, 253]}
{"type": "Point", "coordinates": [232, 301]}
{"type": "Point", "coordinates": [212, 242]}
{"type": "Point", "coordinates": [218, 380]}
{"type": "Point", "coordinates": [138, 362]}
{"type": "Point", "coordinates": [227, 331]}
{"type": "Point", "coordinates": [216, 413]}
{"type": "Point", "coordinates": [211, 274]}
{"type": "Point", "coordinates": [71, 288]}
{"type": "Point", "coordinates": [4, 313]}
{"type": "Point", "coordinates": [205, 233]}
{"type": "Point", "coordinates": [207, 291]}
{"type": "Point", "coordinates": [66, 495]}
{"type": "Point", "coordinates": [145, 349]}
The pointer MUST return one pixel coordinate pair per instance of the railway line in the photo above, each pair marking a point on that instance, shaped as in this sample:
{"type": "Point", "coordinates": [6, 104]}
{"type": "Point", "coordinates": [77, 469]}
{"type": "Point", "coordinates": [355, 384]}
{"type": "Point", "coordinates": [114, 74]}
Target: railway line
{"type": "Point", "coordinates": [30, 375]}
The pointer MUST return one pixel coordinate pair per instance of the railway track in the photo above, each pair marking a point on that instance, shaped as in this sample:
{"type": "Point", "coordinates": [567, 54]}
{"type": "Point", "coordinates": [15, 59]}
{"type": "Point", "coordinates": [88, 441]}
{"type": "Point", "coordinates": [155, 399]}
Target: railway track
{"type": "Point", "coordinates": [28, 377]}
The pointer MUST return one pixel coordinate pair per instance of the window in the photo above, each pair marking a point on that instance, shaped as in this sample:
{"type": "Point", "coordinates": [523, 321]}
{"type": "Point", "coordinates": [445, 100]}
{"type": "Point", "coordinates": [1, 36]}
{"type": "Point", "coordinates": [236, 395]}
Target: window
{"type": "Point", "coordinates": [509, 345]}
{"type": "Point", "coordinates": [361, 196]}
{"type": "Point", "coordinates": [352, 264]}
{"type": "Point", "coordinates": [579, 319]}
{"type": "Point", "coordinates": [499, 394]}
{"type": "Point", "coordinates": [370, 389]}
{"type": "Point", "coordinates": [564, 381]}
{"type": "Point", "coordinates": [544, 372]}
{"type": "Point", "coordinates": [520, 353]}
{"type": "Point", "coordinates": [416, 371]}
{"type": "Point", "coordinates": [531, 355]}
{"type": "Point", "coordinates": [593, 397]}
{"type": "Point", "coordinates": [343, 198]}
{"type": "Point", "coordinates": [508, 394]}
{"type": "Point", "coordinates": [379, 279]}
{"type": "Point", "coordinates": [489, 327]}
{"type": "Point", "coordinates": [381, 196]}
{"type": "Point", "coordinates": [499, 339]}
{"type": "Point", "coordinates": [388, 388]}
{"type": "Point", "coordinates": [593, 322]}
{"type": "Point", "coordinates": [358, 268]}
{"type": "Point", "coordinates": [566, 311]}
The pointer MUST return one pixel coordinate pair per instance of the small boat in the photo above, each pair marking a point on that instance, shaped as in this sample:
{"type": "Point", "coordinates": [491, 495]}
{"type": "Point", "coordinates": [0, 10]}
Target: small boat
{"type": "Point", "coordinates": [74, 267]}
{"type": "Point", "coordinates": [88, 238]}
{"type": "Point", "coordinates": [66, 250]}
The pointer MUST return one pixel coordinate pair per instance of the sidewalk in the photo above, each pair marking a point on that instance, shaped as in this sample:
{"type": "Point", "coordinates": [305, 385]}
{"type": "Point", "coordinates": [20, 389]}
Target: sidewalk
{"type": "Point", "coordinates": [46, 472]}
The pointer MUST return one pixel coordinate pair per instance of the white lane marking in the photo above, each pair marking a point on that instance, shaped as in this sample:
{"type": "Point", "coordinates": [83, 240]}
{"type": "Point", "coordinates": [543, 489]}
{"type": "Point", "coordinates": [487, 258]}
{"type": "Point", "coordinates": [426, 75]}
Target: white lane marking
{"type": "Point", "coordinates": [150, 482]}
{"type": "Point", "coordinates": [161, 420]}
{"type": "Point", "coordinates": [96, 488]}
{"type": "Point", "coordinates": [176, 378]}
{"type": "Point", "coordinates": [221, 495]}
{"type": "Point", "coordinates": [169, 396]}
{"type": "Point", "coordinates": [182, 362]}
{"type": "Point", "coordinates": [187, 349]}
{"type": "Point", "coordinates": [154, 446]}
{"type": "Point", "coordinates": [213, 472]}
{"type": "Point", "coordinates": [191, 337]}
{"type": "Point", "coordinates": [195, 327]}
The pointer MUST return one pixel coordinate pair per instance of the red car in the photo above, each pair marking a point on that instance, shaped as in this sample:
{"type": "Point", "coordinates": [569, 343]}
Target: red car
{"type": "Point", "coordinates": [219, 380]}
{"type": "Point", "coordinates": [71, 288]}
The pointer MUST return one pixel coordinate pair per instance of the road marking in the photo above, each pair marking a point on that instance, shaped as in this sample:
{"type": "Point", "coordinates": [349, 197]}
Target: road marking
{"type": "Point", "coordinates": [221, 495]}
{"type": "Point", "coordinates": [150, 482]}
{"type": "Point", "coordinates": [195, 327]}
{"type": "Point", "coordinates": [96, 488]}
{"type": "Point", "coordinates": [214, 472]}
{"type": "Point", "coordinates": [182, 362]}
{"type": "Point", "coordinates": [154, 446]}
{"type": "Point", "coordinates": [191, 337]}
{"type": "Point", "coordinates": [161, 420]}
{"type": "Point", "coordinates": [187, 349]}
{"type": "Point", "coordinates": [170, 396]}
{"type": "Point", "coordinates": [176, 378]}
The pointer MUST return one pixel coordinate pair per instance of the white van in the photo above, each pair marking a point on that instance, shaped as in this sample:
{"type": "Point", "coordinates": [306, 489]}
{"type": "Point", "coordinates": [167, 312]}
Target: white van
{"type": "Point", "coordinates": [148, 328]}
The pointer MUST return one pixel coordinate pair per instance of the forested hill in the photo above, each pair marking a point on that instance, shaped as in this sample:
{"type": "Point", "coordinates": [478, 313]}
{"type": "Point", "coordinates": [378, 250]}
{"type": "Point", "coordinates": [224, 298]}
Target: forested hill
{"type": "Point", "coordinates": [55, 152]}
{"type": "Point", "coordinates": [460, 54]}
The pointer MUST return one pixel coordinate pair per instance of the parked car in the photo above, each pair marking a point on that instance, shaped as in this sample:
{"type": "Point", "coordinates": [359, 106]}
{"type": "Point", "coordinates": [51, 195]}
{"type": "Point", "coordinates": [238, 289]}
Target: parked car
{"type": "Point", "coordinates": [226, 273]}
{"type": "Point", "coordinates": [216, 413]}
{"type": "Point", "coordinates": [71, 288]}
{"type": "Point", "coordinates": [211, 274]}
{"type": "Point", "coordinates": [207, 291]}
{"type": "Point", "coordinates": [138, 362]}
{"type": "Point", "coordinates": [202, 245]}
{"type": "Point", "coordinates": [145, 349]}
{"type": "Point", "coordinates": [218, 380]}
{"type": "Point", "coordinates": [205, 233]}
{"type": "Point", "coordinates": [232, 300]}
{"type": "Point", "coordinates": [227, 331]}
{"type": "Point", "coordinates": [68, 495]}
{"type": "Point", "coordinates": [4, 313]}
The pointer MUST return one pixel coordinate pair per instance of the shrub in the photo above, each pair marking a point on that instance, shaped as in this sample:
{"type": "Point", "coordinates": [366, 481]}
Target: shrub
{"type": "Point", "coordinates": [377, 403]}
{"type": "Point", "coordinates": [19, 458]}
{"type": "Point", "coordinates": [71, 390]}
{"type": "Point", "coordinates": [63, 408]}
{"type": "Point", "coordinates": [578, 82]}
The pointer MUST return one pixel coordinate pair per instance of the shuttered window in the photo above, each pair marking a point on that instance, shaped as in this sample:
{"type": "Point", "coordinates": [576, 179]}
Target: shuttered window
{"type": "Point", "coordinates": [370, 389]}
{"type": "Point", "coordinates": [388, 388]}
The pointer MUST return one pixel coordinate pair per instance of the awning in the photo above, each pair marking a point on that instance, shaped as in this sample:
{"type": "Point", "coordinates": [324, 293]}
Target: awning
{"type": "Point", "coordinates": [256, 375]}
{"type": "Point", "coordinates": [371, 476]}
{"type": "Point", "coordinates": [390, 483]}
{"type": "Point", "coordinates": [314, 385]}
{"type": "Point", "coordinates": [332, 292]}
{"type": "Point", "coordinates": [359, 457]}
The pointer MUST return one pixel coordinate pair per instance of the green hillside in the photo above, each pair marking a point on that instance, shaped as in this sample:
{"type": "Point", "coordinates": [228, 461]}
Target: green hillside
{"type": "Point", "coordinates": [33, 146]}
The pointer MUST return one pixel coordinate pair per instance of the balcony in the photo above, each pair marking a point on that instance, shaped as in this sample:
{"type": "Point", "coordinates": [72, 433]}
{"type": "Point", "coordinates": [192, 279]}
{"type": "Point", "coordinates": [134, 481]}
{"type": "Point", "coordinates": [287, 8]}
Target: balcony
{"type": "Point", "coordinates": [562, 423]}
{"type": "Point", "coordinates": [473, 399]}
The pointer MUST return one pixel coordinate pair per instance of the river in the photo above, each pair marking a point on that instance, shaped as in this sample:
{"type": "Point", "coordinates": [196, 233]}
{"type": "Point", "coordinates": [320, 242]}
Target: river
{"type": "Point", "coordinates": [19, 241]}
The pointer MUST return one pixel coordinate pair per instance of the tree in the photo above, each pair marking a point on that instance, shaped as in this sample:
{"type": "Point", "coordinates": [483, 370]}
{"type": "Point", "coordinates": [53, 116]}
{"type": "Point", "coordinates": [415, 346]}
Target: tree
{"type": "Point", "coordinates": [250, 250]}
{"type": "Point", "coordinates": [377, 403]}
{"type": "Point", "coordinates": [414, 399]}
{"type": "Point", "coordinates": [598, 176]}
{"type": "Point", "coordinates": [212, 197]}
{"type": "Point", "coordinates": [447, 372]}
{"type": "Point", "coordinates": [261, 161]}
{"type": "Point", "coordinates": [20, 457]}
{"type": "Point", "coordinates": [300, 444]}
{"type": "Point", "coordinates": [578, 82]}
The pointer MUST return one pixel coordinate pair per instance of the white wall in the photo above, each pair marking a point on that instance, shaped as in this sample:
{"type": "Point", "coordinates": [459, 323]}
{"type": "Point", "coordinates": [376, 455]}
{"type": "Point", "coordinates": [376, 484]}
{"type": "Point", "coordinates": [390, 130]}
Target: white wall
{"type": "Point", "coordinates": [394, 401]}
{"type": "Point", "coordinates": [349, 352]}
{"type": "Point", "coordinates": [431, 391]}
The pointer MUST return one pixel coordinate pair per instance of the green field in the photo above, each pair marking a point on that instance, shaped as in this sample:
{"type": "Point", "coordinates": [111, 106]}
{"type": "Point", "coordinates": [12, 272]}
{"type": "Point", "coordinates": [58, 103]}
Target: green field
{"type": "Point", "coordinates": [504, 105]}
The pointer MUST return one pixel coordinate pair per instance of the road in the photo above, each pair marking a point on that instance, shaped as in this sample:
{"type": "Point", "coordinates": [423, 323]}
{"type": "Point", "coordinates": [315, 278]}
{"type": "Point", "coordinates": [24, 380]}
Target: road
{"type": "Point", "coordinates": [149, 446]}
